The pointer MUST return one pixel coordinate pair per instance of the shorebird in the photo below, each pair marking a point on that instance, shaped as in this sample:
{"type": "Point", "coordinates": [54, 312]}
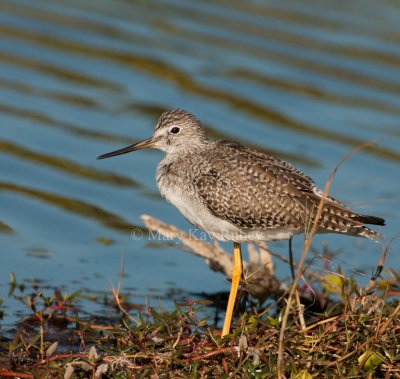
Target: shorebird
{"type": "Point", "coordinates": [235, 193]}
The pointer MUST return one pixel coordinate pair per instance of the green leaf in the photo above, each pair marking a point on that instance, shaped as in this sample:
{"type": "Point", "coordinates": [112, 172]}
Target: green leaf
{"type": "Point", "coordinates": [303, 374]}
{"type": "Point", "coordinates": [370, 360]}
{"type": "Point", "coordinates": [333, 283]}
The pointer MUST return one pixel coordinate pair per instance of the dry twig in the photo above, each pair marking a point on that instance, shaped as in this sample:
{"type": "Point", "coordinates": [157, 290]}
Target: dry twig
{"type": "Point", "coordinates": [259, 272]}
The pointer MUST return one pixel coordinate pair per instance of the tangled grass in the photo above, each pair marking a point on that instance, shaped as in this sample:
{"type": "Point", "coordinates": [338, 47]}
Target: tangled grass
{"type": "Point", "coordinates": [356, 335]}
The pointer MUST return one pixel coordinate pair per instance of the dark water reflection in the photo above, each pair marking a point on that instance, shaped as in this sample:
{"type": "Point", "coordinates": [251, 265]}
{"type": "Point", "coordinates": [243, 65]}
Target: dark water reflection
{"type": "Point", "coordinates": [305, 80]}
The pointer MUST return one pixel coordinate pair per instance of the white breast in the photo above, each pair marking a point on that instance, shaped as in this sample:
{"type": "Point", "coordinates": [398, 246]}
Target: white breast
{"type": "Point", "coordinates": [175, 189]}
{"type": "Point", "coordinates": [198, 214]}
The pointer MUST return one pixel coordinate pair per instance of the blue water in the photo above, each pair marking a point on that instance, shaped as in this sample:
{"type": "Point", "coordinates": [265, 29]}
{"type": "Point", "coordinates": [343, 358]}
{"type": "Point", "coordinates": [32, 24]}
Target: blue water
{"type": "Point", "coordinates": [308, 82]}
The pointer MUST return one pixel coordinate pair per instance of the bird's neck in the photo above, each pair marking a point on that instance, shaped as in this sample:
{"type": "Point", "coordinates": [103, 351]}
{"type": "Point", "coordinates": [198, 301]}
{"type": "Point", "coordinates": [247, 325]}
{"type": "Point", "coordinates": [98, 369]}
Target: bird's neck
{"type": "Point", "coordinates": [192, 147]}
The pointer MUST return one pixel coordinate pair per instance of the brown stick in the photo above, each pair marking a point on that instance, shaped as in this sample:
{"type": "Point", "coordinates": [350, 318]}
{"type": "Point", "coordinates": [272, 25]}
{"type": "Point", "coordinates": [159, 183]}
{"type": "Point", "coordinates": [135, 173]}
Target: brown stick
{"type": "Point", "coordinates": [13, 374]}
{"type": "Point", "coordinates": [259, 273]}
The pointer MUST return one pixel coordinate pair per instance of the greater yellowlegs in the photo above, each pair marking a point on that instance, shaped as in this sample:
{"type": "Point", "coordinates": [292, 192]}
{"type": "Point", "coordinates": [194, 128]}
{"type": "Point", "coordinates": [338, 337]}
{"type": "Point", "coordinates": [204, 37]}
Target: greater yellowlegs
{"type": "Point", "coordinates": [238, 194]}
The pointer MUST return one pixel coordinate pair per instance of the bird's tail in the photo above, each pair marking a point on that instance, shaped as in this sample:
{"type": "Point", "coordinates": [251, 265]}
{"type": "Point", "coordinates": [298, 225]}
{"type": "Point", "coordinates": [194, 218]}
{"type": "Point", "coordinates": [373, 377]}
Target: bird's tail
{"type": "Point", "coordinates": [337, 219]}
{"type": "Point", "coordinates": [365, 231]}
{"type": "Point", "coordinates": [365, 219]}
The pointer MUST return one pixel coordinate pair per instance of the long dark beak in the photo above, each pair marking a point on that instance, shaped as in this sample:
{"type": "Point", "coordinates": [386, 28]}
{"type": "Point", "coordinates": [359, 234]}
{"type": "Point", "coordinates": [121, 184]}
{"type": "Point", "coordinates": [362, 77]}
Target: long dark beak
{"type": "Point", "coordinates": [150, 142]}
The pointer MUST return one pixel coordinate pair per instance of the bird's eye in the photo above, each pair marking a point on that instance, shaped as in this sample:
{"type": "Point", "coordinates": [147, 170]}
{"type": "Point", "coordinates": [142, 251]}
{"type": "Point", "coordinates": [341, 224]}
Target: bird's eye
{"type": "Point", "coordinates": [175, 130]}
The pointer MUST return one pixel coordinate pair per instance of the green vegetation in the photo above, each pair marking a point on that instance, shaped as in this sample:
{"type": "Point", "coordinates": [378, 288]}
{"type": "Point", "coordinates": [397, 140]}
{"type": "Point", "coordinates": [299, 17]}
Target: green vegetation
{"type": "Point", "coordinates": [350, 331]}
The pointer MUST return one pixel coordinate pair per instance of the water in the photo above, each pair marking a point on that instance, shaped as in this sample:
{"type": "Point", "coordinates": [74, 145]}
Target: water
{"type": "Point", "coordinates": [305, 80]}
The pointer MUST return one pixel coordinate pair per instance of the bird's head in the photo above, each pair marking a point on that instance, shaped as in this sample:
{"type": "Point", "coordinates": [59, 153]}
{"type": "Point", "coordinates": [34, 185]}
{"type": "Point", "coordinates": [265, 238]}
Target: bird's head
{"type": "Point", "coordinates": [176, 131]}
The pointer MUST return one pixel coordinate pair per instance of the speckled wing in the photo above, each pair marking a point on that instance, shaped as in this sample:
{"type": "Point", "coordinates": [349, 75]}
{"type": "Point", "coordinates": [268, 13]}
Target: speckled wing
{"type": "Point", "coordinates": [253, 190]}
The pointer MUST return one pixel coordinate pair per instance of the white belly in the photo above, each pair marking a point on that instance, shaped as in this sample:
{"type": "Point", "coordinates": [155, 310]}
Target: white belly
{"type": "Point", "coordinates": [198, 214]}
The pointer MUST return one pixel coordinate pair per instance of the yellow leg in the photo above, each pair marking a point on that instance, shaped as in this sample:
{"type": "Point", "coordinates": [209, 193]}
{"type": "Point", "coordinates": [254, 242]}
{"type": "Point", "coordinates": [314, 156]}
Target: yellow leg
{"type": "Point", "coordinates": [236, 275]}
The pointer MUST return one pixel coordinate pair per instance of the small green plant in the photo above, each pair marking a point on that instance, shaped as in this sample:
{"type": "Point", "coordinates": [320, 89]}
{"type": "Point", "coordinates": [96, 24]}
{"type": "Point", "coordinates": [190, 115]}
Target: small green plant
{"type": "Point", "coordinates": [357, 335]}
